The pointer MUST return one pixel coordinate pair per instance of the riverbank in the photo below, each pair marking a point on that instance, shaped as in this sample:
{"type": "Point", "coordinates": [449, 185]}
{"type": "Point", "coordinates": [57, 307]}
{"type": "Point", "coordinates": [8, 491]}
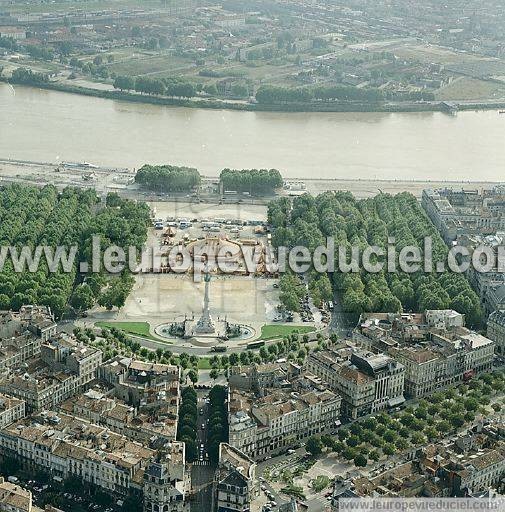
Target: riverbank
{"type": "Point", "coordinates": [106, 179]}
{"type": "Point", "coordinates": [215, 104]}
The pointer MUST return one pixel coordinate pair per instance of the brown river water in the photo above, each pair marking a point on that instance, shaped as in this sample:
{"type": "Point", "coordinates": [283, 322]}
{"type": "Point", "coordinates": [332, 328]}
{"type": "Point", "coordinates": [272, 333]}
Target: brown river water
{"type": "Point", "coordinates": [49, 126]}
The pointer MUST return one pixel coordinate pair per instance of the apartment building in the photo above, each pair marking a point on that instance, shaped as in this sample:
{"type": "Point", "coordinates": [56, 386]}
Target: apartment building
{"type": "Point", "coordinates": [166, 482]}
{"type": "Point", "coordinates": [435, 348]}
{"type": "Point", "coordinates": [494, 299]}
{"type": "Point", "coordinates": [235, 484]}
{"type": "Point", "coordinates": [489, 285]}
{"type": "Point", "coordinates": [63, 369]}
{"type": "Point", "coordinates": [280, 419]}
{"type": "Point", "coordinates": [259, 377]}
{"type": "Point", "coordinates": [11, 409]}
{"type": "Point", "coordinates": [496, 330]}
{"type": "Point", "coordinates": [140, 383]}
{"type": "Point", "coordinates": [472, 218]}
{"type": "Point", "coordinates": [366, 382]}
{"type": "Point", "coordinates": [16, 33]}
{"type": "Point", "coordinates": [64, 445]}
{"type": "Point", "coordinates": [151, 426]}
{"type": "Point", "coordinates": [457, 212]}
{"type": "Point", "coordinates": [474, 472]}
{"type": "Point", "coordinates": [13, 498]}
{"type": "Point", "coordinates": [21, 334]}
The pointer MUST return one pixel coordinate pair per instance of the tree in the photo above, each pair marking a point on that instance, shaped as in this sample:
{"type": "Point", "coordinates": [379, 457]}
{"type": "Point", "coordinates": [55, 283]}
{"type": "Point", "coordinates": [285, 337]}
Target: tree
{"type": "Point", "coordinates": [290, 301]}
{"type": "Point", "coordinates": [193, 376]}
{"type": "Point", "coordinates": [65, 48]}
{"type": "Point", "coordinates": [253, 181]}
{"type": "Point", "coordinates": [167, 178]}
{"type": "Point", "coordinates": [124, 83]}
{"type": "Point", "coordinates": [210, 89]}
{"type": "Point", "coordinates": [401, 444]}
{"type": "Point", "coordinates": [388, 449]}
{"type": "Point", "coordinates": [374, 455]}
{"type": "Point", "coordinates": [233, 359]}
{"type": "Point", "coordinates": [353, 441]}
{"type": "Point", "coordinates": [431, 433]}
{"type": "Point", "coordinates": [360, 460]}
{"type": "Point", "coordinates": [115, 294]}
{"type": "Point", "coordinates": [245, 358]}
{"type": "Point", "coordinates": [443, 426]}
{"type": "Point", "coordinates": [214, 374]}
{"type": "Point", "coordinates": [457, 420]}
{"type": "Point", "coordinates": [83, 298]}
{"type": "Point", "coordinates": [239, 90]}
{"type": "Point", "coordinates": [349, 453]}
{"type": "Point", "coordinates": [342, 433]}
{"type": "Point", "coordinates": [314, 446]}
{"type": "Point", "coordinates": [27, 76]}
{"type": "Point", "coordinates": [417, 438]}
{"type": "Point", "coordinates": [5, 302]}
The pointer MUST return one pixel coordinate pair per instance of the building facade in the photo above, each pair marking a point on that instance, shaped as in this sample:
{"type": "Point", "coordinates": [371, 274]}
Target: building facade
{"type": "Point", "coordinates": [280, 420]}
{"type": "Point", "coordinates": [235, 485]}
{"type": "Point", "coordinates": [11, 410]}
{"type": "Point", "coordinates": [366, 382]}
{"type": "Point", "coordinates": [496, 330]}
{"type": "Point", "coordinates": [66, 446]}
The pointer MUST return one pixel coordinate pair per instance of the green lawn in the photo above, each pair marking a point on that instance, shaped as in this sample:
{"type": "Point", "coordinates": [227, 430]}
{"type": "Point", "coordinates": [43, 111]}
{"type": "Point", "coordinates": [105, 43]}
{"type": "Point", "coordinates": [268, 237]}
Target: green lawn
{"type": "Point", "coordinates": [134, 328]}
{"type": "Point", "coordinates": [271, 331]}
{"type": "Point", "coordinates": [204, 364]}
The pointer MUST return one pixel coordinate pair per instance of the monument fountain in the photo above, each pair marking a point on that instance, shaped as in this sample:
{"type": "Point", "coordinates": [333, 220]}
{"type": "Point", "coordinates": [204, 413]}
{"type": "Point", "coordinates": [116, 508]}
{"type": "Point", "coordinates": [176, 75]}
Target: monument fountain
{"type": "Point", "coordinates": [205, 326]}
{"type": "Point", "coordinates": [205, 330]}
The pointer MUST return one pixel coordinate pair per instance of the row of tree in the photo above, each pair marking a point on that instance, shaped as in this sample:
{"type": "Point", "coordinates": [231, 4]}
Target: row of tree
{"type": "Point", "coordinates": [253, 181]}
{"type": "Point", "coordinates": [156, 86]}
{"type": "Point", "coordinates": [218, 422]}
{"type": "Point", "coordinates": [308, 221]}
{"type": "Point", "coordinates": [292, 291]}
{"type": "Point", "coordinates": [187, 429]}
{"type": "Point", "coordinates": [270, 94]}
{"type": "Point", "coordinates": [168, 178]}
{"type": "Point", "coordinates": [36, 51]}
{"type": "Point", "coordinates": [28, 77]}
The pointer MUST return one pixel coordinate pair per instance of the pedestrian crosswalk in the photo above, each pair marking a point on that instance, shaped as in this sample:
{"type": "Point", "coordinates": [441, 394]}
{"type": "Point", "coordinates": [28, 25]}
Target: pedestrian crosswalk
{"type": "Point", "coordinates": [201, 463]}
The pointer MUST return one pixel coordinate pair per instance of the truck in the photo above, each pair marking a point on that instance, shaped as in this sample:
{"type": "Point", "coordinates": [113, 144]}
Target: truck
{"type": "Point", "coordinates": [219, 348]}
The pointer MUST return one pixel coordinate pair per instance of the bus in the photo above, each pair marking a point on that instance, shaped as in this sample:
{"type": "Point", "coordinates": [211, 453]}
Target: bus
{"type": "Point", "coordinates": [255, 344]}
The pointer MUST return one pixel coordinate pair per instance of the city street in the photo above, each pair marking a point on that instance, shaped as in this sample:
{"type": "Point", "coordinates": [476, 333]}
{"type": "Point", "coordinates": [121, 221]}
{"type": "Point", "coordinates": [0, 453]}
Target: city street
{"type": "Point", "coordinates": [202, 473]}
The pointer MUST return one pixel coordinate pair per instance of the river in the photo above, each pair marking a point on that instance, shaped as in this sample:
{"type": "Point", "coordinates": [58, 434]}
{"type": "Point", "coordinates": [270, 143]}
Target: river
{"type": "Point", "coordinates": [50, 126]}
